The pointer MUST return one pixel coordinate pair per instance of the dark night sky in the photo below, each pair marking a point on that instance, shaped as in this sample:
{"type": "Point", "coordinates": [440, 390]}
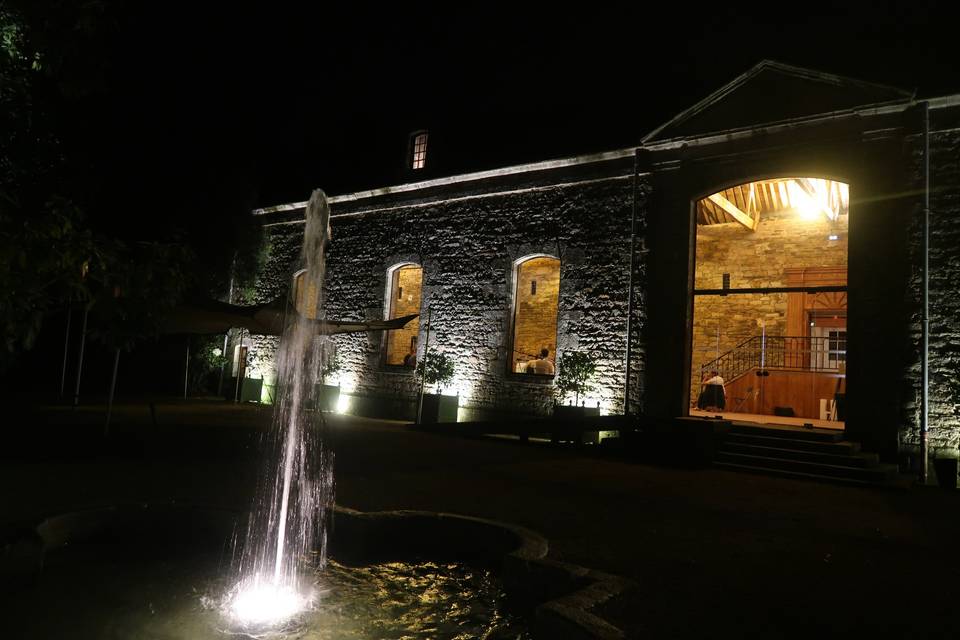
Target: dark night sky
{"type": "Point", "coordinates": [208, 112]}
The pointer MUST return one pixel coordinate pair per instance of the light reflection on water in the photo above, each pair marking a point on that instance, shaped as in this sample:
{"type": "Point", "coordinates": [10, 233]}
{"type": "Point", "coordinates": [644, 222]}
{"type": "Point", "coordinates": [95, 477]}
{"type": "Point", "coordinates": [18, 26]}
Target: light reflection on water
{"type": "Point", "coordinates": [84, 594]}
{"type": "Point", "coordinates": [403, 600]}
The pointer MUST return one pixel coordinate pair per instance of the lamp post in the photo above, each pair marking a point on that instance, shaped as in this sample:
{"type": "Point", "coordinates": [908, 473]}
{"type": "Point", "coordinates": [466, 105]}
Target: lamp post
{"type": "Point", "coordinates": [186, 369]}
{"type": "Point", "coordinates": [66, 348]}
{"type": "Point", "coordinates": [113, 387]}
{"type": "Point", "coordinates": [84, 269]}
{"type": "Point", "coordinates": [925, 322]}
{"type": "Point", "coordinates": [633, 267]}
{"type": "Point", "coordinates": [423, 375]}
{"type": "Point", "coordinates": [83, 342]}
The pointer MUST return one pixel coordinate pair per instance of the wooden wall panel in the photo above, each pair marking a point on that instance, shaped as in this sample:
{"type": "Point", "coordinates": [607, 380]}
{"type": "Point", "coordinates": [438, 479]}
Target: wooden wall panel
{"type": "Point", "coordinates": [800, 390]}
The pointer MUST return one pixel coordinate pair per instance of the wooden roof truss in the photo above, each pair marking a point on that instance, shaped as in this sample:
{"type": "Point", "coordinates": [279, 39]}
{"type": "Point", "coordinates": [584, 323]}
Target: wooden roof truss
{"type": "Point", "coordinates": [746, 203]}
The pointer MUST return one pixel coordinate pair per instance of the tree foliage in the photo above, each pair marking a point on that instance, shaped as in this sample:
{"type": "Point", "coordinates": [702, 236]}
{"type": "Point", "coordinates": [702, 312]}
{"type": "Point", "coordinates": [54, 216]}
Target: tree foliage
{"type": "Point", "coordinates": [140, 285]}
{"type": "Point", "coordinates": [46, 262]}
{"type": "Point", "coordinates": [438, 371]}
{"type": "Point", "coordinates": [575, 373]}
{"type": "Point", "coordinates": [330, 359]}
{"type": "Point", "coordinates": [207, 360]}
{"type": "Point", "coordinates": [50, 258]}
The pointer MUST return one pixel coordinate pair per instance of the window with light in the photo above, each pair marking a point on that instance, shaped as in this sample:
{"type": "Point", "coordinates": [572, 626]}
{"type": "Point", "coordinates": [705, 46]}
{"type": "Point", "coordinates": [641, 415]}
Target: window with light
{"type": "Point", "coordinates": [536, 297]}
{"type": "Point", "coordinates": [418, 158]}
{"type": "Point", "coordinates": [403, 299]}
{"type": "Point", "coordinates": [305, 298]}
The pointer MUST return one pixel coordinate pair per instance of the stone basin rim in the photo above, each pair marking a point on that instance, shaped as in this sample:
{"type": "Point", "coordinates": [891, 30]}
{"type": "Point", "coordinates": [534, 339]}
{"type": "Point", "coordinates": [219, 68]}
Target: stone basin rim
{"type": "Point", "coordinates": [564, 596]}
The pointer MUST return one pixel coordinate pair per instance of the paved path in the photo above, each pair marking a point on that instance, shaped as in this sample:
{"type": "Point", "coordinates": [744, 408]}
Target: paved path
{"type": "Point", "coordinates": [713, 552]}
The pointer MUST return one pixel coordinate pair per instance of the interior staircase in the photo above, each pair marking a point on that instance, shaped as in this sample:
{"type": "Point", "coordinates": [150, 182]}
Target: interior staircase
{"type": "Point", "coordinates": [799, 452]}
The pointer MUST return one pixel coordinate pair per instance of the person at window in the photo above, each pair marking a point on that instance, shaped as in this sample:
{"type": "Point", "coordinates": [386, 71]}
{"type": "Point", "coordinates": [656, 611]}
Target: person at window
{"type": "Point", "coordinates": [542, 365]}
{"type": "Point", "coordinates": [410, 360]}
{"type": "Point", "coordinates": [714, 395]}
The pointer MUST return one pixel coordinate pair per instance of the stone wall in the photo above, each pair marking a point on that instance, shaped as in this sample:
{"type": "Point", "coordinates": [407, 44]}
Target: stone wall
{"type": "Point", "coordinates": [754, 259]}
{"type": "Point", "coordinates": [944, 357]}
{"type": "Point", "coordinates": [468, 247]}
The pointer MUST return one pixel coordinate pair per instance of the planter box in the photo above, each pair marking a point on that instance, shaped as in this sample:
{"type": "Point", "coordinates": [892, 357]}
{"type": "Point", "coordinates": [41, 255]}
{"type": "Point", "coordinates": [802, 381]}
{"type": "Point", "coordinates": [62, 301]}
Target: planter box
{"type": "Point", "coordinates": [437, 408]}
{"type": "Point", "coordinates": [250, 389]}
{"type": "Point", "coordinates": [565, 412]}
{"type": "Point", "coordinates": [327, 397]}
{"type": "Point", "coordinates": [946, 471]}
{"type": "Point", "coordinates": [389, 407]}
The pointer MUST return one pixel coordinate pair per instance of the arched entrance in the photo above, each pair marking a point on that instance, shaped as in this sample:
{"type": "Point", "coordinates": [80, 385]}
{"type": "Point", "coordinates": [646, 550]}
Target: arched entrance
{"type": "Point", "coordinates": [769, 327]}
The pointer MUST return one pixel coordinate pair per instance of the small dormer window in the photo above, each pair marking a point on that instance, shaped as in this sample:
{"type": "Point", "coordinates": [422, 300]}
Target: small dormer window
{"type": "Point", "coordinates": [418, 150]}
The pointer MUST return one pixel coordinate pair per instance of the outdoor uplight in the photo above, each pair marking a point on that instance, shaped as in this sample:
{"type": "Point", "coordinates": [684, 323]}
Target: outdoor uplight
{"type": "Point", "coordinates": [265, 605]}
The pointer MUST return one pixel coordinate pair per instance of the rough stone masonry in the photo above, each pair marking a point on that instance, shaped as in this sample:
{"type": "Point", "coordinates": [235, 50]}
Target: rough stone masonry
{"type": "Point", "coordinates": [468, 247]}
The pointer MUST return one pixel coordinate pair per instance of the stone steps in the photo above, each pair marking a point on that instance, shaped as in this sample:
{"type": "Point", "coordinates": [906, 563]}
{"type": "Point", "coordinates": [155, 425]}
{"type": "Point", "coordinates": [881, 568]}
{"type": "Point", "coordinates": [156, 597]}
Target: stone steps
{"type": "Point", "coordinates": [879, 474]}
{"type": "Point", "coordinates": [790, 432]}
{"type": "Point", "coordinates": [897, 482]}
{"type": "Point", "coordinates": [843, 457]}
{"type": "Point", "coordinates": [844, 447]}
{"type": "Point", "coordinates": [817, 454]}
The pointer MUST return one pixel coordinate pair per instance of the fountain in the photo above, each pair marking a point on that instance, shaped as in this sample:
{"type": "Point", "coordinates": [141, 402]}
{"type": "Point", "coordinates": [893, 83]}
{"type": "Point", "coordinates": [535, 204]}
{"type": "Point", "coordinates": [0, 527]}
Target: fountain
{"type": "Point", "coordinates": [295, 491]}
{"type": "Point", "coordinates": [159, 569]}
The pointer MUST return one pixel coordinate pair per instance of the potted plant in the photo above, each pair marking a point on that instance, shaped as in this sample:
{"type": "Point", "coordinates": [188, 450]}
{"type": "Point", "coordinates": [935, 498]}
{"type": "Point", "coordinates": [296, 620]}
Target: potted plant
{"type": "Point", "coordinates": [575, 372]}
{"type": "Point", "coordinates": [246, 389]}
{"type": "Point", "coordinates": [328, 395]}
{"type": "Point", "coordinates": [206, 362]}
{"type": "Point", "coordinates": [945, 468]}
{"type": "Point", "coordinates": [437, 370]}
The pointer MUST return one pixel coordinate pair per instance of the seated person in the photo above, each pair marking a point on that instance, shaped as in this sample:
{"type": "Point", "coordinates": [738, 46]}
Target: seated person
{"type": "Point", "coordinates": [410, 360]}
{"type": "Point", "coordinates": [714, 396]}
{"type": "Point", "coordinates": [541, 365]}
{"type": "Point", "coordinates": [840, 395]}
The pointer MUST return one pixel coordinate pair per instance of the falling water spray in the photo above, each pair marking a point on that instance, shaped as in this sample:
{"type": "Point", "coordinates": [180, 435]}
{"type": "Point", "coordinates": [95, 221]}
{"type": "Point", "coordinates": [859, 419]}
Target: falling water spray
{"type": "Point", "coordinates": [295, 492]}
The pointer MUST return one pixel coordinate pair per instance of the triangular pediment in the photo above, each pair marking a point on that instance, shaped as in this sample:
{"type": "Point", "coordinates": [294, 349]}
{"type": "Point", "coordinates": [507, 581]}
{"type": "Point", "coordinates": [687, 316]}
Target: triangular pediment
{"type": "Point", "coordinates": [774, 92]}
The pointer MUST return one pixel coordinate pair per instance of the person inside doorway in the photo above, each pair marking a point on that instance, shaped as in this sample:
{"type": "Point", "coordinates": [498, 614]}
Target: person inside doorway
{"type": "Point", "coordinates": [410, 360]}
{"type": "Point", "coordinates": [713, 397]}
{"type": "Point", "coordinates": [840, 394]}
{"type": "Point", "coordinates": [542, 365]}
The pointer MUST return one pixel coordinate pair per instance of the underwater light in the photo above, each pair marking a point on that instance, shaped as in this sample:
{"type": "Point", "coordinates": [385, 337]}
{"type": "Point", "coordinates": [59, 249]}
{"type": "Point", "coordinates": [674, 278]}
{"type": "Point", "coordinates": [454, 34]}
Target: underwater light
{"type": "Point", "coordinates": [266, 604]}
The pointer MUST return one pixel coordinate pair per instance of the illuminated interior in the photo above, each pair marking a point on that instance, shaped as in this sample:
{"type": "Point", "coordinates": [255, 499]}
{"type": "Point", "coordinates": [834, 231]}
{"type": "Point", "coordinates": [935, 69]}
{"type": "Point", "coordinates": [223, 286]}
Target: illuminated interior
{"type": "Point", "coordinates": [403, 299]}
{"type": "Point", "coordinates": [419, 159]}
{"type": "Point", "coordinates": [780, 354]}
{"type": "Point", "coordinates": [306, 299]}
{"type": "Point", "coordinates": [535, 311]}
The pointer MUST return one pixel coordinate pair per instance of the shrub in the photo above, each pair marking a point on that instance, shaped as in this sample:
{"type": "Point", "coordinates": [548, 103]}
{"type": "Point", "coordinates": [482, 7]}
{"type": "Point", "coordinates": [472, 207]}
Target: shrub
{"type": "Point", "coordinates": [575, 371]}
{"type": "Point", "coordinates": [439, 369]}
{"type": "Point", "coordinates": [329, 360]}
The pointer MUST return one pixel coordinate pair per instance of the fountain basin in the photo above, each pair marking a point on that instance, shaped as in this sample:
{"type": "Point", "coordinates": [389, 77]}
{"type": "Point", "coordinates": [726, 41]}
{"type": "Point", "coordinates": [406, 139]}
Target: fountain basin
{"type": "Point", "coordinates": [138, 571]}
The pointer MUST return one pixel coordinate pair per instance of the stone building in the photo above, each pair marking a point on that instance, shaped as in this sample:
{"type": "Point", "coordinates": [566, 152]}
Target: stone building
{"type": "Point", "coordinates": [777, 229]}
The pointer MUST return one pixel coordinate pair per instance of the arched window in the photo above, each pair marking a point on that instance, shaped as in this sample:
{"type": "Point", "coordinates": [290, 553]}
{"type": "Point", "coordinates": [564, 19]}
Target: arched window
{"type": "Point", "coordinates": [403, 298]}
{"type": "Point", "coordinates": [305, 298]}
{"type": "Point", "coordinates": [535, 314]}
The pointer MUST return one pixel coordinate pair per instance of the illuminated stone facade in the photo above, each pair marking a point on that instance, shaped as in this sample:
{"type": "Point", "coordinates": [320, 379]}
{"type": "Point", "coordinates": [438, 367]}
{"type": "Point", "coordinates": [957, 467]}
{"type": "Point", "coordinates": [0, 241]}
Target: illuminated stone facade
{"type": "Point", "coordinates": [469, 248]}
{"type": "Point", "coordinates": [944, 400]}
{"type": "Point", "coordinates": [469, 233]}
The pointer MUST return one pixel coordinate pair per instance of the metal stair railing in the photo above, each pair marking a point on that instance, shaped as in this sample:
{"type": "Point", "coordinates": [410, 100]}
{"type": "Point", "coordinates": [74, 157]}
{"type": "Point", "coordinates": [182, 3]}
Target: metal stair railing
{"type": "Point", "coordinates": [805, 353]}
